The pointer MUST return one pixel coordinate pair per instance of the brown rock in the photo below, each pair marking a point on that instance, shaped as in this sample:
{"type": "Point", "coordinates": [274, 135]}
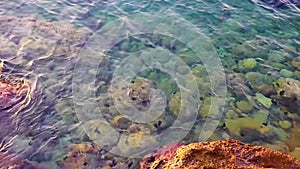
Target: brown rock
{"type": "Point", "coordinates": [289, 95]}
{"type": "Point", "coordinates": [228, 153]}
{"type": "Point", "coordinates": [80, 156]}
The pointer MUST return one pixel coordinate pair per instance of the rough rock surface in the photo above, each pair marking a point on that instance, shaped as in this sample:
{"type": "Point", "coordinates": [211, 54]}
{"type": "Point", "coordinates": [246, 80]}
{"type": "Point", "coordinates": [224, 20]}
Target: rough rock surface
{"type": "Point", "coordinates": [224, 154]}
{"type": "Point", "coordinates": [159, 158]}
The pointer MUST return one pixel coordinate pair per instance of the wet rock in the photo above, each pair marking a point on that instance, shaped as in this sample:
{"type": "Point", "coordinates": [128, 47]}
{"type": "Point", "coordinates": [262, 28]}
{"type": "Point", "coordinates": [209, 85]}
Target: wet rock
{"type": "Point", "coordinates": [277, 56]}
{"type": "Point", "coordinates": [135, 144]}
{"type": "Point", "coordinates": [136, 95]}
{"type": "Point", "coordinates": [137, 101]}
{"type": "Point", "coordinates": [244, 106]}
{"type": "Point", "coordinates": [15, 97]}
{"type": "Point", "coordinates": [236, 84]}
{"type": "Point", "coordinates": [163, 155]}
{"type": "Point", "coordinates": [265, 90]}
{"type": "Point", "coordinates": [31, 39]}
{"type": "Point", "coordinates": [247, 64]}
{"type": "Point", "coordinates": [286, 73]}
{"type": "Point", "coordinates": [175, 103]}
{"type": "Point", "coordinates": [263, 100]}
{"type": "Point", "coordinates": [296, 63]}
{"type": "Point", "coordinates": [14, 93]}
{"type": "Point", "coordinates": [43, 54]}
{"type": "Point", "coordinates": [251, 49]}
{"type": "Point", "coordinates": [212, 107]}
{"type": "Point", "coordinates": [285, 124]}
{"type": "Point", "coordinates": [289, 94]}
{"type": "Point", "coordinates": [222, 154]}
{"type": "Point", "coordinates": [81, 156]}
{"type": "Point", "coordinates": [293, 140]}
{"type": "Point", "coordinates": [235, 126]}
{"type": "Point", "coordinates": [14, 162]}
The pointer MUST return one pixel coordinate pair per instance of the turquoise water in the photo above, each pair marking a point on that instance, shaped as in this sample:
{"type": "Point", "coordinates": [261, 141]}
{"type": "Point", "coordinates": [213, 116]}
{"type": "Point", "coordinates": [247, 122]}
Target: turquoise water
{"type": "Point", "coordinates": [108, 78]}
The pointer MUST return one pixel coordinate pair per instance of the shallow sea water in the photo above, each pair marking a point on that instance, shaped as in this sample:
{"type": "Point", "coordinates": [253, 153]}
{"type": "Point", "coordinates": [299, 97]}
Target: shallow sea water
{"type": "Point", "coordinates": [111, 81]}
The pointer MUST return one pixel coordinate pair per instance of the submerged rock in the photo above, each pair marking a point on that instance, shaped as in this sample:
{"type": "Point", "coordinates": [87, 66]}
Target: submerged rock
{"type": "Point", "coordinates": [222, 154]}
{"type": "Point", "coordinates": [14, 93]}
{"type": "Point", "coordinates": [38, 58]}
{"type": "Point", "coordinates": [15, 96]}
{"type": "Point", "coordinates": [163, 155]}
{"type": "Point", "coordinates": [289, 94]}
{"type": "Point", "coordinates": [10, 161]}
{"type": "Point", "coordinates": [80, 156]}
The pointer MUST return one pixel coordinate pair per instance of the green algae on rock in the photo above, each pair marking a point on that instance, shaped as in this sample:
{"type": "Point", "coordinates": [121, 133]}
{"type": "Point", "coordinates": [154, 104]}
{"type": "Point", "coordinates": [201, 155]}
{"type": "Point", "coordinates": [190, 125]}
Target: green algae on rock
{"type": "Point", "coordinates": [285, 124]}
{"type": "Point", "coordinates": [276, 56]}
{"type": "Point", "coordinates": [286, 73]}
{"type": "Point", "coordinates": [251, 49]}
{"type": "Point", "coordinates": [244, 106]}
{"type": "Point", "coordinates": [247, 64]}
{"type": "Point", "coordinates": [135, 143]}
{"type": "Point", "coordinates": [175, 103]}
{"type": "Point", "coordinates": [212, 107]}
{"type": "Point", "coordinates": [266, 102]}
{"type": "Point", "coordinates": [235, 126]}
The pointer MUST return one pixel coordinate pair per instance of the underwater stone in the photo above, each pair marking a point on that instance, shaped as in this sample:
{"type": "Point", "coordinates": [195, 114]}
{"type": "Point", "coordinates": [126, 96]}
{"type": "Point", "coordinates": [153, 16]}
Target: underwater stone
{"type": "Point", "coordinates": [286, 73]}
{"type": "Point", "coordinates": [247, 64]}
{"type": "Point", "coordinates": [297, 74]}
{"type": "Point", "coordinates": [296, 63]}
{"type": "Point", "coordinates": [135, 143]}
{"type": "Point", "coordinates": [276, 56]}
{"type": "Point", "coordinates": [244, 106]}
{"type": "Point", "coordinates": [163, 155]}
{"type": "Point", "coordinates": [10, 161]}
{"type": "Point", "coordinates": [262, 115]}
{"type": "Point", "coordinates": [265, 89]}
{"type": "Point", "coordinates": [175, 103]}
{"type": "Point", "coordinates": [265, 101]}
{"type": "Point", "coordinates": [255, 78]}
{"type": "Point", "coordinates": [231, 114]}
{"type": "Point", "coordinates": [235, 126]}
{"type": "Point", "coordinates": [120, 122]}
{"type": "Point", "coordinates": [296, 153]}
{"type": "Point", "coordinates": [285, 124]}
{"type": "Point", "coordinates": [79, 156]}
{"type": "Point", "coordinates": [289, 94]}
{"type": "Point", "coordinates": [211, 107]}
{"type": "Point", "coordinates": [237, 84]}
{"type": "Point", "coordinates": [251, 49]}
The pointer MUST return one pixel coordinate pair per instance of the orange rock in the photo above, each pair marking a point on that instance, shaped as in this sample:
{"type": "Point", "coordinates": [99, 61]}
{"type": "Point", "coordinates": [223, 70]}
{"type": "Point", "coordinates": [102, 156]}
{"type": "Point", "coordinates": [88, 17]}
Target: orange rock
{"type": "Point", "coordinates": [228, 154]}
{"type": "Point", "coordinates": [163, 155]}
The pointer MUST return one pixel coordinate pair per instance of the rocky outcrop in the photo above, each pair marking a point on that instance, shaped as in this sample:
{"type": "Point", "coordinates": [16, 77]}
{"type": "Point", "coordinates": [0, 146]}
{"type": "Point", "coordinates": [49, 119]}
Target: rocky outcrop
{"type": "Point", "coordinates": [221, 154]}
